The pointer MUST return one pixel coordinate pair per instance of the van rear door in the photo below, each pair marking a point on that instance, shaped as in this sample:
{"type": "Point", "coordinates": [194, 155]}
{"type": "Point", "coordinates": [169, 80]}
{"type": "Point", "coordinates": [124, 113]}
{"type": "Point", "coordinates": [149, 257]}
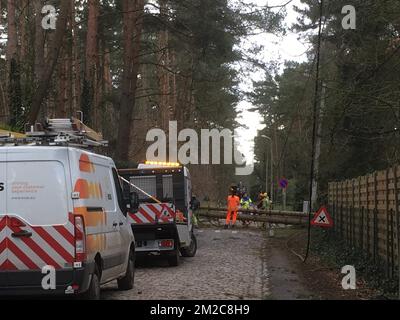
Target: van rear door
{"type": "Point", "coordinates": [42, 232]}
{"type": "Point", "coordinates": [3, 221]}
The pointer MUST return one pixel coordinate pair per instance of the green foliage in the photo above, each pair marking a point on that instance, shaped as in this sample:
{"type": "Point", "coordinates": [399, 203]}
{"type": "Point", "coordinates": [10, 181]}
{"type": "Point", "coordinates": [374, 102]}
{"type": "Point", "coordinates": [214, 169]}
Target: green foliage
{"type": "Point", "coordinates": [336, 253]}
{"type": "Point", "coordinates": [361, 116]}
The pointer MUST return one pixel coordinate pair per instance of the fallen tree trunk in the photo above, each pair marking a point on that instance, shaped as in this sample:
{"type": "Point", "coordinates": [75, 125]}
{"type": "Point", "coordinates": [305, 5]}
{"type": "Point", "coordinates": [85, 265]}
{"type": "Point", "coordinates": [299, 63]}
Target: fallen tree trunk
{"type": "Point", "coordinates": [292, 220]}
{"type": "Point", "coordinates": [261, 212]}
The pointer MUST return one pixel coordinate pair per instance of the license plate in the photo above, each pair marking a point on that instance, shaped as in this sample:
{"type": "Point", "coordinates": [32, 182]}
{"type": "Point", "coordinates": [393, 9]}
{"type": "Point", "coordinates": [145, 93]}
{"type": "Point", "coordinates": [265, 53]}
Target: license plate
{"type": "Point", "coordinates": [141, 244]}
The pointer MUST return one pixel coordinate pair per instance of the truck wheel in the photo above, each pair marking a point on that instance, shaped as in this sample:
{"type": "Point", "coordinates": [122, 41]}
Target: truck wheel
{"type": "Point", "coordinates": [190, 251]}
{"type": "Point", "coordinates": [127, 282]}
{"type": "Point", "coordinates": [94, 289]}
{"type": "Point", "coordinates": [174, 259]}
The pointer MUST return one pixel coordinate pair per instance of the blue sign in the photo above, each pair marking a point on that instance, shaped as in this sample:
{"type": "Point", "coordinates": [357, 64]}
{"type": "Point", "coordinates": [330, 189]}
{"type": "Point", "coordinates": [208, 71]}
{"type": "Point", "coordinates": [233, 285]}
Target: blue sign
{"type": "Point", "coordinates": [283, 183]}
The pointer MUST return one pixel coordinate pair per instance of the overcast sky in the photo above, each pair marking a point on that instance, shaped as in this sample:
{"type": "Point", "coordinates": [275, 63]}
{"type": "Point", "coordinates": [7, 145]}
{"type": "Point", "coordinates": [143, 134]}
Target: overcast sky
{"type": "Point", "coordinates": [289, 47]}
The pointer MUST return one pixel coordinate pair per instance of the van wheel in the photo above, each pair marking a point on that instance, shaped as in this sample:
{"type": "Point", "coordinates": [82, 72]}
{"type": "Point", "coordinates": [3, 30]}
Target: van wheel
{"type": "Point", "coordinates": [127, 282]}
{"type": "Point", "coordinates": [174, 259]}
{"type": "Point", "coordinates": [94, 289]}
{"type": "Point", "coordinates": [190, 251]}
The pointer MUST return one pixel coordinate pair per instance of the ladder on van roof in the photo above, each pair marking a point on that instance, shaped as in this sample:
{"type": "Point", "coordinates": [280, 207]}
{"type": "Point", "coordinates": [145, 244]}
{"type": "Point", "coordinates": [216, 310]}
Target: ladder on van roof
{"type": "Point", "coordinates": [55, 132]}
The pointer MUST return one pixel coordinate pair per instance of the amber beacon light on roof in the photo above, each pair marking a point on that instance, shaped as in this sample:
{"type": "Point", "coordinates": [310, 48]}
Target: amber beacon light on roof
{"type": "Point", "coordinates": [164, 164]}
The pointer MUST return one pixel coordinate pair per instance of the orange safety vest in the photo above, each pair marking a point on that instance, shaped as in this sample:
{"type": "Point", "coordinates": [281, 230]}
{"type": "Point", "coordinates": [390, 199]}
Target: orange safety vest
{"type": "Point", "coordinates": [233, 203]}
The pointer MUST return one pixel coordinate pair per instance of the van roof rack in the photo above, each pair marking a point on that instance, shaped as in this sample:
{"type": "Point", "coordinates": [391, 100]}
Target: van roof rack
{"type": "Point", "coordinates": [55, 132]}
{"type": "Point", "coordinates": [9, 134]}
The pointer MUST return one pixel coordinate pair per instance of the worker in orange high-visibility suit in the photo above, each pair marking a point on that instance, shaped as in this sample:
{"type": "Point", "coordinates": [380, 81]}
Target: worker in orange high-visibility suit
{"type": "Point", "coordinates": [233, 206]}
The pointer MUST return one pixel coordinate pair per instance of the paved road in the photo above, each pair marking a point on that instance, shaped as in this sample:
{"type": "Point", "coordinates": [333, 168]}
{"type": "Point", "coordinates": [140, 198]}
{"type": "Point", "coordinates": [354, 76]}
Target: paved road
{"type": "Point", "coordinates": [228, 265]}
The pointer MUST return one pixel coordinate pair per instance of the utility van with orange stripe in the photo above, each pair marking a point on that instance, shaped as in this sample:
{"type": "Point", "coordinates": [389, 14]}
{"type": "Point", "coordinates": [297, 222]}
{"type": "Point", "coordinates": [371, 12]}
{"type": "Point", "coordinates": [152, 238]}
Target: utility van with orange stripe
{"type": "Point", "coordinates": [62, 211]}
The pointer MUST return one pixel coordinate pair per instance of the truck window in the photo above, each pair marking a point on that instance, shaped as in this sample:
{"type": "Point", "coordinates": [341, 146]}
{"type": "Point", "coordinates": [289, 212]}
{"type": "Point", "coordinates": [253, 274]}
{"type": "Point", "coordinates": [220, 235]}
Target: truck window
{"type": "Point", "coordinates": [147, 184]}
{"type": "Point", "coordinates": [168, 187]}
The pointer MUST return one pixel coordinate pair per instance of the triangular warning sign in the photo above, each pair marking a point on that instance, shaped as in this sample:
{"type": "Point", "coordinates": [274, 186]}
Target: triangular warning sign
{"type": "Point", "coordinates": [322, 219]}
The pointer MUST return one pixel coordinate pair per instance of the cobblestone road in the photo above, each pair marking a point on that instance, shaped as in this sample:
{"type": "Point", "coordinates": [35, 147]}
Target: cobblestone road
{"type": "Point", "coordinates": [228, 265]}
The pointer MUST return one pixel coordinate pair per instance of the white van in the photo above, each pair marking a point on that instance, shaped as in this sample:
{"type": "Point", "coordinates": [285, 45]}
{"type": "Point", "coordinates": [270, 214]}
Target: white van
{"type": "Point", "coordinates": [62, 209]}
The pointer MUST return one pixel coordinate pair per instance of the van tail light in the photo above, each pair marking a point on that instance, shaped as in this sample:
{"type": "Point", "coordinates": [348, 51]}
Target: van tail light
{"type": "Point", "coordinates": [80, 239]}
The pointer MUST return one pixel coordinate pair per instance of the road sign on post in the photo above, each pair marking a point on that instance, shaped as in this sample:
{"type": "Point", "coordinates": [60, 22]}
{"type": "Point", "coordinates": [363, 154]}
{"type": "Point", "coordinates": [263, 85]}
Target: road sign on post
{"type": "Point", "coordinates": [322, 219]}
{"type": "Point", "coordinates": [283, 183]}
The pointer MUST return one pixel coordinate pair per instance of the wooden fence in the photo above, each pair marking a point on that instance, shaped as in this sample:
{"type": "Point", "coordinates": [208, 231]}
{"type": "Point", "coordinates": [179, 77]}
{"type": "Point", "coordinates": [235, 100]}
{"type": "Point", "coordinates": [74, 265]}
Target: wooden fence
{"type": "Point", "coordinates": [366, 213]}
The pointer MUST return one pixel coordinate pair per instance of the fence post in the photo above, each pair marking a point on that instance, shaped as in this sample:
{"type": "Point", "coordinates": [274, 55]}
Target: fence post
{"type": "Point", "coordinates": [337, 208]}
{"type": "Point", "coordinates": [387, 244]}
{"type": "Point", "coordinates": [368, 218]}
{"type": "Point", "coordinates": [396, 204]}
{"type": "Point", "coordinates": [376, 239]}
{"type": "Point", "coordinates": [354, 228]}
{"type": "Point", "coordinates": [368, 235]}
{"type": "Point", "coordinates": [348, 215]}
{"type": "Point", "coordinates": [361, 214]}
{"type": "Point", "coordinates": [389, 231]}
{"type": "Point", "coordinates": [354, 213]}
{"type": "Point", "coordinates": [362, 229]}
{"type": "Point", "coordinates": [392, 242]}
{"type": "Point", "coordinates": [333, 211]}
{"type": "Point", "coordinates": [376, 247]}
{"type": "Point", "coordinates": [341, 221]}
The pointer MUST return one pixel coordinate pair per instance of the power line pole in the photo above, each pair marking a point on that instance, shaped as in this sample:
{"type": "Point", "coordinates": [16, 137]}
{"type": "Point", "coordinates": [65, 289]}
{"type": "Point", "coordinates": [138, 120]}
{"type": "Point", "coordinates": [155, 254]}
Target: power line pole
{"type": "Point", "coordinates": [266, 172]}
{"type": "Point", "coordinates": [315, 120]}
{"type": "Point", "coordinates": [272, 167]}
{"type": "Point", "coordinates": [272, 173]}
{"type": "Point", "coordinates": [317, 155]}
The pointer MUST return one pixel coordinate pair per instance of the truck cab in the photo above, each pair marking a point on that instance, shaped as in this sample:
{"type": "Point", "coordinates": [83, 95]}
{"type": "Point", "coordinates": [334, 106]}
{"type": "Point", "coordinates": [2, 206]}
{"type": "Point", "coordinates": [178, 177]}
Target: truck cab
{"type": "Point", "coordinates": [162, 220]}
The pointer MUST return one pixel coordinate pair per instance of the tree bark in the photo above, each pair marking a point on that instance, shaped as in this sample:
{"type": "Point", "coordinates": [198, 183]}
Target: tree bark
{"type": "Point", "coordinates": [132, 25]}
{"type": "Point", "coordinates": [91, 63]}
{"type": "Point", "coordinates": [61, 107]}
{"type": "Point", "coordinates": [39, 39]}
{"type": "Point", "coordinates": [13, 67]}
{"type": "Point", "coordinates": [3, 101]}
{"type": "Point", "coordinates": [12, 39]}
{"type": "Point", "coordinates": [23, 20]}
{"type": "Point", "coordinates": [77, 86]}
{"type": "Point", "coordinates": [53, 57]}
{"type": "Point", "coordinates": [91, 38]}
{"type": "Point", "coordinates": [163, 66]}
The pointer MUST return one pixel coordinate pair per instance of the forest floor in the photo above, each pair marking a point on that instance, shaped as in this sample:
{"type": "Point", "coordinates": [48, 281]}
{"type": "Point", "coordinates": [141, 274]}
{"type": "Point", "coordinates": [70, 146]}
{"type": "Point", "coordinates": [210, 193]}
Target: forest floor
{"type": "Point", "coordinates": [291, 278]}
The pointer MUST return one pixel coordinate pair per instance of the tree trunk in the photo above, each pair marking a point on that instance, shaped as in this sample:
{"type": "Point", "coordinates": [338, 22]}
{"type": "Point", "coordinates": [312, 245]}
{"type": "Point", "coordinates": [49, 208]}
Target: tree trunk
{"type": "Point", "coordinates": [76, 87]}
{"type": "Point", "coordinates": [61, 107]}
{"type": "Point", "coordinates": [39, 39]}
{"type": "Point", "coordinates": [174, 94]}
{"type": "Point", "coordinates": [13, 67]}
{"type": "Point", "coordinates": [53, 57]}
{"type": "Point", "coordinates": [132, 25]}
{"type": "Point", "coordinates": [23, 20]}
{"type": "Point", "coordinates": [163, 66]}
{"type": "Point", "coordinates": [12, 41]}
{"type": "Point", "coordinates": [3, 101]}
{"type": "Point", "coordinates": [91, 63]}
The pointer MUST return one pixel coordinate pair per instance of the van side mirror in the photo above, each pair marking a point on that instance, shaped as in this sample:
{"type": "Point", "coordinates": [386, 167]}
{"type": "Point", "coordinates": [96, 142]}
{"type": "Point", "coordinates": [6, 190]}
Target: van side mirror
{"type": "Point", "coordinates": [134, 201]}
{"type": "Point", "coordinates": [131, 200]}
